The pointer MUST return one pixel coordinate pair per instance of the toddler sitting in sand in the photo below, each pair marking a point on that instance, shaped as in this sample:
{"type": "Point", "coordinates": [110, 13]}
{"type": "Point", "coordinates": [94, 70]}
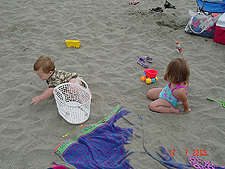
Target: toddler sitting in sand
{"type": "Point", "coordinates": [44, 67]}
{"type": "Point", "coordinates": [167, 98]}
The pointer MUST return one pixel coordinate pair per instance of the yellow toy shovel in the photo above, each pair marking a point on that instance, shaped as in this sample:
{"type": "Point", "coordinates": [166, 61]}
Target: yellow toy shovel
{"type": "Point", "coordinates": [73, 43]}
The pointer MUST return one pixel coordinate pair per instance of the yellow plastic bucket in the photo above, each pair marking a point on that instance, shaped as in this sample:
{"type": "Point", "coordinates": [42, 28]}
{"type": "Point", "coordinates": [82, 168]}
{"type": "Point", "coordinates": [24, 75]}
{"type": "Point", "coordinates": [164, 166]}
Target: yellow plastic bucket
{"type": "Point", "coordinates": [73, 43]}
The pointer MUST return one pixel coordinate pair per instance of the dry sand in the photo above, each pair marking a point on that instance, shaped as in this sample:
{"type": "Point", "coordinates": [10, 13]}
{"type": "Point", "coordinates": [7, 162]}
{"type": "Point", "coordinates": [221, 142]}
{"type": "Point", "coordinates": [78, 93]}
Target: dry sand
{"type": "Point", "coordinates": [112, 34]}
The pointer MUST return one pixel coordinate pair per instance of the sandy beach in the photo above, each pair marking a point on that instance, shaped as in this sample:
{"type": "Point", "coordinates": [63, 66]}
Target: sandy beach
{"type": "Point", "coordinates": [113, 35]}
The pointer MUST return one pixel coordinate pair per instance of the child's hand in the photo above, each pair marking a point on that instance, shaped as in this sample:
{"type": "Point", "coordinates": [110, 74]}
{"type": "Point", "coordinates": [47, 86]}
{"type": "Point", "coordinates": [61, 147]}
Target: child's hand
{"type": "Point", "coordinates": [188, 110]}
{"type": "Point", "coordinates": [35, 100]}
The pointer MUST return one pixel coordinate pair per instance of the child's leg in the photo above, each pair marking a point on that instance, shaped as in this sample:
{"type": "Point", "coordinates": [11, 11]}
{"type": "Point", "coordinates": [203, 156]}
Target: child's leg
{"type": "Point", "coordinates": [163, 106]}
{"type": "Point", "coordinates": [73, 80]}
{"type": "Point", "coordinates": [153, 94]}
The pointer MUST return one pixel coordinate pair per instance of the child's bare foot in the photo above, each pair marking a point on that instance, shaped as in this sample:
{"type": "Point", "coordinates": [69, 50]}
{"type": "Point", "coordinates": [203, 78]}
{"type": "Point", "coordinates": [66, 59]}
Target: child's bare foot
{"type": "Point", "coordinates": [187, 111]}
{"type": "Point", "coordinates": [173, 110]}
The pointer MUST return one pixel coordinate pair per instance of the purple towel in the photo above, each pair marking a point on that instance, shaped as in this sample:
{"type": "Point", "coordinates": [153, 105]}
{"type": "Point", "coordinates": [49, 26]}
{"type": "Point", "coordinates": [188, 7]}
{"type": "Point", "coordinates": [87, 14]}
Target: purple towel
{"type": "Point", "coordinates": [100, 146]}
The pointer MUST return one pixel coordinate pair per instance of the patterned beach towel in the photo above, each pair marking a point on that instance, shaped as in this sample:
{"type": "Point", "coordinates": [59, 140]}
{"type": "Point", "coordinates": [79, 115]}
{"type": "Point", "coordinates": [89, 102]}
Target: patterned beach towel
{"type": "Point", "coordinates": [101, 145]}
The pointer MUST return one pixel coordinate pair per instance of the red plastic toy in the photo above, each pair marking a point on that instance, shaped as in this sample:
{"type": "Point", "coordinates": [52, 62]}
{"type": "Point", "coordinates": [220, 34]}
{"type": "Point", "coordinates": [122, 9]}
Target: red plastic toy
{"type": "Point", "coordinates": [149, 76]}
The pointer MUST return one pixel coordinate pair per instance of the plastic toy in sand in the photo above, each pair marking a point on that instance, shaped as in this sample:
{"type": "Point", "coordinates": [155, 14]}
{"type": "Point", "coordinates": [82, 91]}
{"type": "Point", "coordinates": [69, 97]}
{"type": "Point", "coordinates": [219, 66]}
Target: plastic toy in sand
{"type": "Point", "coordinates": [133, 2]}
{"type": "Point", "coordinates": [73, 43]}
{"type": "Point", "coordinates": [221, 101]}
{"type": "Point", "coordinates": [149, 76]}
{"type": "Point", "coordinates": [198, 163]}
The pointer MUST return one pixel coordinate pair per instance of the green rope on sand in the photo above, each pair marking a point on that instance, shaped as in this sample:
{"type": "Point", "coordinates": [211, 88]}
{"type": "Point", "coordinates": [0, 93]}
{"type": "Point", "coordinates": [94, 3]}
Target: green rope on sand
{"type": "Point", "coordinates": [222, 102]}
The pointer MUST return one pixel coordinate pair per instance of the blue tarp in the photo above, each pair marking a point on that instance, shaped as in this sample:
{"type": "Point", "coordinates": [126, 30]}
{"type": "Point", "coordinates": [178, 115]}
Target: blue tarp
{"type": "Point", "coordinates": [211, 6]}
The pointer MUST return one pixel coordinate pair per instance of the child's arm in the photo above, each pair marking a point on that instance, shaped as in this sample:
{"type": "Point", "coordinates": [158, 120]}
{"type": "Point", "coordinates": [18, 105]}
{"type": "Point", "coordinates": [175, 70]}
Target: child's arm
{"type": "Point", "coordinates": [182, 96]}
{"type": "Point", "coordinates": [43, 96]}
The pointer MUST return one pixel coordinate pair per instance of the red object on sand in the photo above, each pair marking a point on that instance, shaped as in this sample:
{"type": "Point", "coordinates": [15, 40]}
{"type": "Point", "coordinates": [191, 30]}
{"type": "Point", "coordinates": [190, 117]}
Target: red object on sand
{"type": "Point", "coordinates": [150, 73]}
{"type": "Point", "coordinates": [219, 35]}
